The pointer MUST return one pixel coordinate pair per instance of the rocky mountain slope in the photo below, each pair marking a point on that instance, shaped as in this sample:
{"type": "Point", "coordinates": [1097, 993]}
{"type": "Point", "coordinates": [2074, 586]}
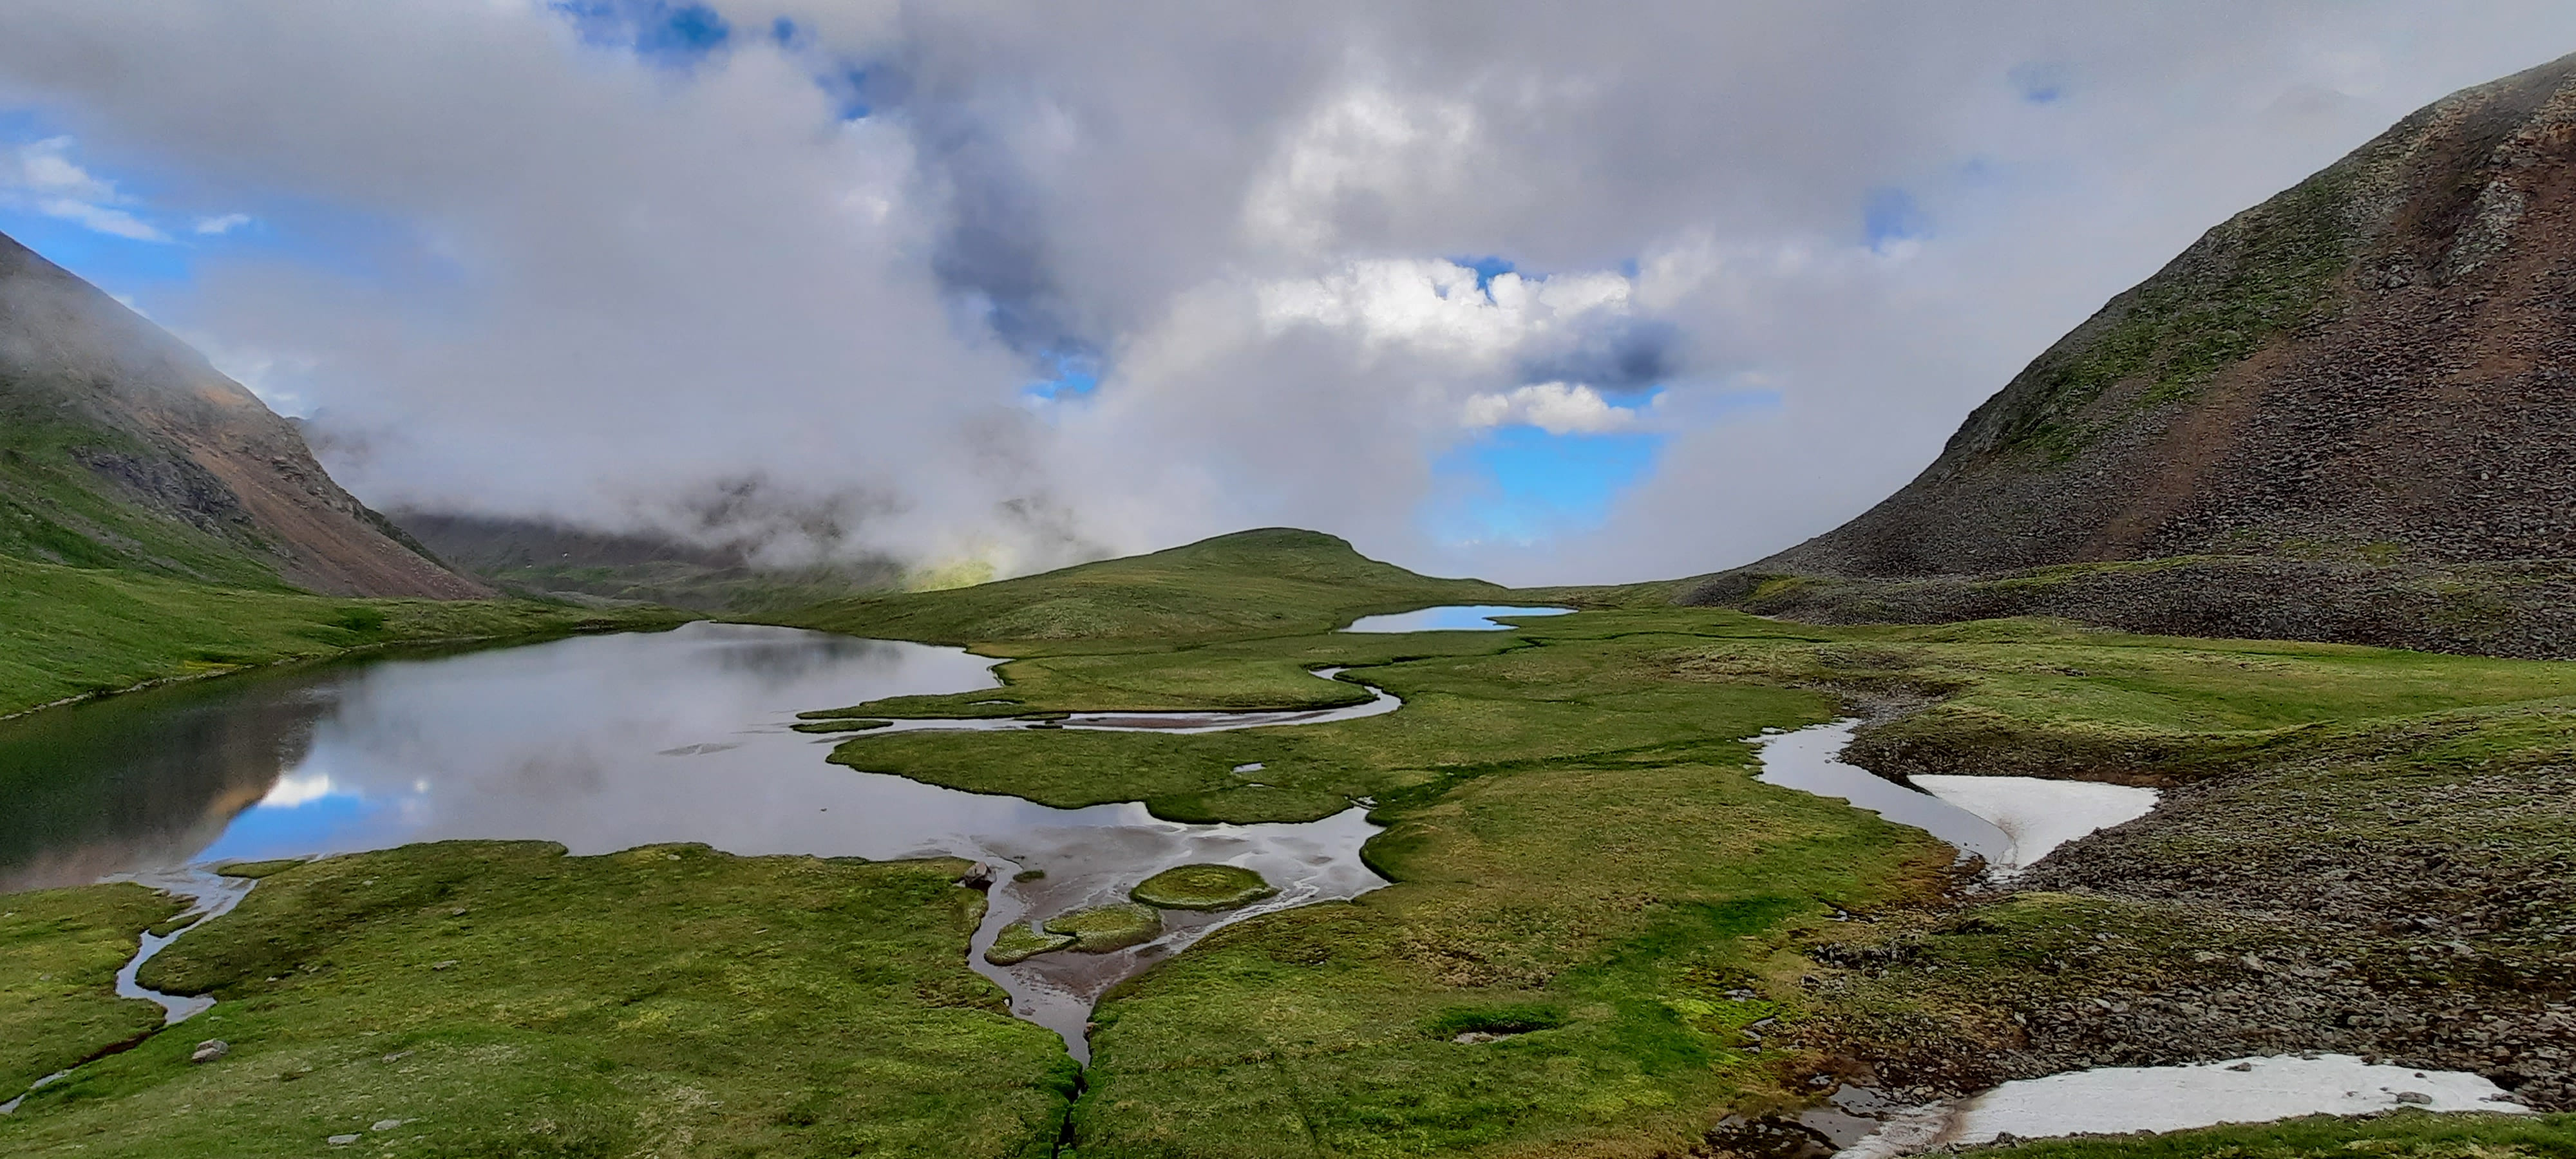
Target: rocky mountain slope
{"type": "Point", "coordinates": [121, 447]}
{"type": "Point", "coordinates": [2346, 413]}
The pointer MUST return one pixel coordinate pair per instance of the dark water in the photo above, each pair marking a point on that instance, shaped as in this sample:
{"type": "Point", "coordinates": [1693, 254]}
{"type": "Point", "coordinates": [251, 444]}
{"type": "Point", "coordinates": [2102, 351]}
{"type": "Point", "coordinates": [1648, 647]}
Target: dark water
{"type": "Point", "coordinates": [602, 743]}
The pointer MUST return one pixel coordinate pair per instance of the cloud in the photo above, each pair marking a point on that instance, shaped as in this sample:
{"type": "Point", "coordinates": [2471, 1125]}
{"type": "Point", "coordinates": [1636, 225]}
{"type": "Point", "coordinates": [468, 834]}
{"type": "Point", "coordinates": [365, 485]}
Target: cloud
{"type": "Point", "coordinates": [604, 269]}
{"type": "Point", "coordinates": [100, 218]}
{"type": "Point", "coordinates": [1554, 407]}
{"type": "Point", "coordinates": [218, 226]}
{"type": "Point", "coordinates": [42, 176]}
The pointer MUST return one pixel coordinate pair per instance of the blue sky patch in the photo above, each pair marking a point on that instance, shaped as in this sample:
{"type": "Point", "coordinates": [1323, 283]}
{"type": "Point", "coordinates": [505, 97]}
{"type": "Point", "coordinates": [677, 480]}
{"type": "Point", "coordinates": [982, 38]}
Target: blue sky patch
{"type": "Point", "coordinates": [657, 30]}
{"type": "Point", "coordinates": [1891, 216]}
{"type": "Point", "coordinates": [1069, 374]}
{"type": "Point", "coordinates": [2037, 82]}
{"type": "Point", "coordinates": [119, 265]}
{"type": "Point", "coordinates": [265, 831]}
{"type": "Point", "coordinates": [1487, 269]}
{"type": "Point", "coordinates": [1521, 484]}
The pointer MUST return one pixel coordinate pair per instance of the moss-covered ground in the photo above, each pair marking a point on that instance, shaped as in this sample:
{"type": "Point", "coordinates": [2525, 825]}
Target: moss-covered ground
{"type": "Point", "coordinates": [1584, 860]}
{"type": "Point", "coordinates": [1101, 929]}
{"type": "Point", "coordinates": [1021, 942]}
{"type": "Point", "coordinates": [59, 953]}
{"type": "Point", "coordinates": [1202, 887]}
{"type": "Point", "coordinates": [501, 999]}
{"type": "Point", "coordinates": [67, 632]}
{"type": "Point", "coordinates": [1634, 935]}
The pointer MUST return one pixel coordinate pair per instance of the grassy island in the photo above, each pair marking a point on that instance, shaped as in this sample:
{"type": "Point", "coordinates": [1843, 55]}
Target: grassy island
{"type": "Point", "coordinates": [1202, 887]}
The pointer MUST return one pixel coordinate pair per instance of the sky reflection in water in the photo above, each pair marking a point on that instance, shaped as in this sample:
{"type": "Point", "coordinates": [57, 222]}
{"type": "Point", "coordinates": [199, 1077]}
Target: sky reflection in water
{"type": "Point", "coordinates": [1455, 618]}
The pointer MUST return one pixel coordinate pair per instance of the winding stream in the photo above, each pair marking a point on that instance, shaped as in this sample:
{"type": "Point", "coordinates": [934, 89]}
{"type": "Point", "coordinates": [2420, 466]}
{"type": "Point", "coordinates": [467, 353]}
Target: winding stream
{"type": "Point", "coordinates": [605, 743]}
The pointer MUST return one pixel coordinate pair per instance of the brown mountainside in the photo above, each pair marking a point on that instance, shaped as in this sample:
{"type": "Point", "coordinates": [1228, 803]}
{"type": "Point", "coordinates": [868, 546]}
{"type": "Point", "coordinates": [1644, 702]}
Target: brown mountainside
{"type": "Point", "coordinates": [122, 447]}
{"type": "Point", "coordinates": [2331, 415]}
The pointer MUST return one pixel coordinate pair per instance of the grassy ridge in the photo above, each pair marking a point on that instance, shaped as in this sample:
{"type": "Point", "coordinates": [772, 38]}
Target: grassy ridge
{"type": "Point", "coordinates": [1271, 582]}
{"type": "Point", "coordinates": [491, 998]}
{"type": "Point", "coordinates": [68, 632]}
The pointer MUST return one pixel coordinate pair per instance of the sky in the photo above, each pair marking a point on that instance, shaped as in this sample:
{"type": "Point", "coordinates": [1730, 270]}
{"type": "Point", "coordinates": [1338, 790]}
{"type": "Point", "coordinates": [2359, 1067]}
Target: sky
{"type": "Point", "coordinates": [1545, 293]}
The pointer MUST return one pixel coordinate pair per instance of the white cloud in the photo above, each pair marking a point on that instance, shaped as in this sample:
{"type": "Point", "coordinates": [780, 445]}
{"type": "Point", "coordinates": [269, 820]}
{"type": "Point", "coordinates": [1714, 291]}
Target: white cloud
{"type": "Point", "coordinates": [592, 286]}
{"type": "Point", "coordinates": [300, 789]}
{"type": "Point", "coordinates": [1555, 407]}
{"type": "Point", "coordinates": [101, 218]}
{"type": "Point", "coordinates": [218, 226]}
{"type": "Point", "coordinates": [42, 176]}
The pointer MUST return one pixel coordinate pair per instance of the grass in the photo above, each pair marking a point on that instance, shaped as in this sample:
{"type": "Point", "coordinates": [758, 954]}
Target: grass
{"type": "Point", "coordinates": [59, 953]}
{"type": "Point", "coordinates": [1101, 929]}
{"type": "Point", "coordinates": [54, 510]}
{"type": "Point", "coordinates": [503, 999]}
{"type": "Point", "coordinates": [1585, 865]}
{"type": "Point", "coordinates": [1202, 887]}
{"type": "Point", "coordinates": [1638, 937]}
{"type": "Point", "coordinates": [1275, 581]}
{"type": "Point", "coordinates": [68, 632]}
{"type": "Point", "coordinates": [1019, 943]}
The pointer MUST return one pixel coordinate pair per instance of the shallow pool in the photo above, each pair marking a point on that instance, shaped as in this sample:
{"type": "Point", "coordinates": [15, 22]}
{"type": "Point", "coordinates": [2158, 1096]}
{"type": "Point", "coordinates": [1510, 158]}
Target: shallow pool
{"type": "Point", "coordinates": [1455, 618]}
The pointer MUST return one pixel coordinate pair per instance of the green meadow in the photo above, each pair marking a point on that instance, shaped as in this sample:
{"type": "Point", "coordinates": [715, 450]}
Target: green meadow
{"type": "Point", "coordinates": [1603, 935]}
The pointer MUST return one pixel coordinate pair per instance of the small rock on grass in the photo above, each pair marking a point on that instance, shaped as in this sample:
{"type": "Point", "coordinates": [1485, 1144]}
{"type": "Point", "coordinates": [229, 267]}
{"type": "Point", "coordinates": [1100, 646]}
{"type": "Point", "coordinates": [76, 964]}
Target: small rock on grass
{"type": "Point", "coordinates": [210, 1050]}
{"type": "Point", "coordinates": [341, 1140]}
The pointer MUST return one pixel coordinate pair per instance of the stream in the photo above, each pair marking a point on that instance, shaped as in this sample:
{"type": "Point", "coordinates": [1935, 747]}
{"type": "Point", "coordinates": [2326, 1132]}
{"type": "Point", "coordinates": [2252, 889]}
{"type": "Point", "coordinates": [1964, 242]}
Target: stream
{"type": "Point", "coordinates": [605, 743]}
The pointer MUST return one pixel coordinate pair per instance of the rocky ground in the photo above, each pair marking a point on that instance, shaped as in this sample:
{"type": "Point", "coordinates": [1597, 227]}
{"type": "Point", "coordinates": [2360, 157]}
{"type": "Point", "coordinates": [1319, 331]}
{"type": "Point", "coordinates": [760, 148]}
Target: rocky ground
{"type": "Point", "coordinates": [2521, 608]}
{"type": "Point", "coordinates": [2418, 909]}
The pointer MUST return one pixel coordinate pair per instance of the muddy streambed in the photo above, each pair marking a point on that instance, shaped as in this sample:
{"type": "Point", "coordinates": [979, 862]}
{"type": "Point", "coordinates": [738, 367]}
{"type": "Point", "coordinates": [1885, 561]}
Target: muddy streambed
{"type": "Point", "coordinates": [605, 743]}
{"type": "Point", "coordinates": [2012, 822]}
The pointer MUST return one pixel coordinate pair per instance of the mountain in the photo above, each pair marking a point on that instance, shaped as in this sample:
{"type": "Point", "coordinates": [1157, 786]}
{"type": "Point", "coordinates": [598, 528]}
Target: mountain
{"type": "Point", "coordinates": [122, 448]}
{"type": "Point", "coordinates": [542, 558]}
{"type": "Point", "coordinates": [2346, 413]}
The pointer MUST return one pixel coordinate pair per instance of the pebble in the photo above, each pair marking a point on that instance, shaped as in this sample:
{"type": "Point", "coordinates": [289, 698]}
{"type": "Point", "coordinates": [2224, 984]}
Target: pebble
{"type": "Point", "coordinates": [387, 1124]}
{"type": "Point", "coordinates": [341, 1140]}
{"type": "Point", "coordinates": [210, 1050]}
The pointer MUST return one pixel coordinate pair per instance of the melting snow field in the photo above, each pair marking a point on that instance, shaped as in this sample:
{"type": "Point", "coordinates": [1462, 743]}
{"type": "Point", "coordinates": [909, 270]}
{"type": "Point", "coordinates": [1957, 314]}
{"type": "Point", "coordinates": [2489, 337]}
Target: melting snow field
{"type": "Point", "coordinates": [2039, 815]}
{"type": "Point", "coordinates": [2117, 1100]}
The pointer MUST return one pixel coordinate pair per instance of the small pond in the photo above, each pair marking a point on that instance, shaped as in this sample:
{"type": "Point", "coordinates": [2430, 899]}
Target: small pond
{"type": "Point", "coordinates": [604, 743]}
{"type": "Point", "coordinates": [1455, 618]}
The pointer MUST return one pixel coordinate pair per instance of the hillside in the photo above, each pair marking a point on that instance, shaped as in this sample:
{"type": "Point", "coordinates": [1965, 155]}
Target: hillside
{"type": "Point", "coordinates": [122, 448]}
{"type": "Point", "coordinates": [2341, 412]}
{"type": "Point", "coordinates": [541, 558]}
{"type": "Point", "coordinates": [1270, 582]}
{"type": "Point", "coordinates": [71, 632]}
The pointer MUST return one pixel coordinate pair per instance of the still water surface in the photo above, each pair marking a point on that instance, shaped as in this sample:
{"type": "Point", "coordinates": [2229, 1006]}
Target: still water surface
{"type": "Point", "coordinates": [601, 743]}
{"type": "Point", "coordinates": [1453, 618]}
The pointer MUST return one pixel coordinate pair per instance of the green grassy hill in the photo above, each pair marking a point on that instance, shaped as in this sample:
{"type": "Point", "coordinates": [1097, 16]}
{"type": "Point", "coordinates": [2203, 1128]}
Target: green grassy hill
{"type": "Point", "coordinates": [1275, 581]}
{"type": "Point", "coordinates": [68, 632]}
